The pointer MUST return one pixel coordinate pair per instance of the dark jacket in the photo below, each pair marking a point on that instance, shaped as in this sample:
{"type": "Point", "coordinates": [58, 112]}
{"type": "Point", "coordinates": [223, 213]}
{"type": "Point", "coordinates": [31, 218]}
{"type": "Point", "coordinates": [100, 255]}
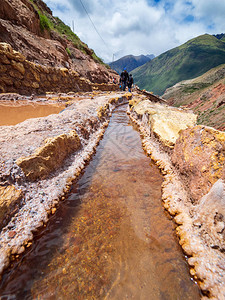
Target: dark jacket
{"type": "Point", "coordinates": [124, 76]}
{"type": "Point", "coordinates": [130, 81]}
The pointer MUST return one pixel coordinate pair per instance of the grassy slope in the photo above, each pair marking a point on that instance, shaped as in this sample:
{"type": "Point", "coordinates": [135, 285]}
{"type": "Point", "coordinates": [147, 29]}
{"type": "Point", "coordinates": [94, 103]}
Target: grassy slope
{"type": "Point", "coordinates": [204, 95]}
{"type": "Point", "coordinates": [48, 22]}
{"type": "Point", "coordinates": [189, 60]}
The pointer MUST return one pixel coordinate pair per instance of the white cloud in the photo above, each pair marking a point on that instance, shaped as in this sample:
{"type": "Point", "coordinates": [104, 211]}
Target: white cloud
{"type": "Point", "coordinates": [139, 26]}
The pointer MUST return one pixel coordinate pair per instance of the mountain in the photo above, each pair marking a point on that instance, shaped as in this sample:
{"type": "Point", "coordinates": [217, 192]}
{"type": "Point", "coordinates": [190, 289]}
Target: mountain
{"type": "Point", "coordinates": [204, 95]}
{"type": "Point", "coordinates": [151, 56]}
{"type": "Point", "coordinates": [31, 29]}
{"type": "Point", "coordinates": [187, 61]}
{"type": "Point", "coordinates": [130, 62]}
{"type": "Point", "coordinates": [220, 36]}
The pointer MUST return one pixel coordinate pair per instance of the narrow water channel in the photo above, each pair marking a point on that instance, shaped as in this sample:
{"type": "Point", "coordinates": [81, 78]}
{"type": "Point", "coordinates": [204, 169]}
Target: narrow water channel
{"type": "Point", "coordinates": [111, 239]}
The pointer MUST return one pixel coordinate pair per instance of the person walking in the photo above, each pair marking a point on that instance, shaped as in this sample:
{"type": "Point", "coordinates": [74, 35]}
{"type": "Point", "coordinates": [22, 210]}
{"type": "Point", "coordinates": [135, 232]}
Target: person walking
{"type": "Point", "coordinates": [130, 82]}
{"type": "Point", "coordinates": [124, 77]}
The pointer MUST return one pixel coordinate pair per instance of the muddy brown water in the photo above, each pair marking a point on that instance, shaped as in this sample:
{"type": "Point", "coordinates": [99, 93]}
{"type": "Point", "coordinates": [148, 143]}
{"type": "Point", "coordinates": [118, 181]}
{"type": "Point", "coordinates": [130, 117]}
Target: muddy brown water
{"type": "Point", "coordinates": [12, 114]}
{"type": "Point", "coordinates": [111, 238]}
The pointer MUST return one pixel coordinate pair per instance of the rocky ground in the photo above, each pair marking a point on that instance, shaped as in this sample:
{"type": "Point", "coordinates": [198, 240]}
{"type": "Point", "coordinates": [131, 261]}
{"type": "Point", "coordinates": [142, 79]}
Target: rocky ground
{"type": "Point", "coordinates": [39, 160]}
{"type": "Point", "coordinates": [193, 189]}
{"type": "Point", "coordinates": [41, 157]}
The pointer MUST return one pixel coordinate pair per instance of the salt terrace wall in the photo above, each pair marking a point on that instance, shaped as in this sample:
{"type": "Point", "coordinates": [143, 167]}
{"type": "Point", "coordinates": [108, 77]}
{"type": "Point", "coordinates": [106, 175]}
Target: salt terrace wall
{"type": "Point", "coordinates": [35, 175]}
{"type": "Point", "coordinates": [192, 160]}
{"type": "Point", "coordinates": [25, 77]}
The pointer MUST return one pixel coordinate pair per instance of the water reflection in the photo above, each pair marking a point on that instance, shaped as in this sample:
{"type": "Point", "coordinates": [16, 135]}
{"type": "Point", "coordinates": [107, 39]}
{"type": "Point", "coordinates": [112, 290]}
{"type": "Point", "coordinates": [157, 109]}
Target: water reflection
{"type": "Point", "coordinates": [16, 113]}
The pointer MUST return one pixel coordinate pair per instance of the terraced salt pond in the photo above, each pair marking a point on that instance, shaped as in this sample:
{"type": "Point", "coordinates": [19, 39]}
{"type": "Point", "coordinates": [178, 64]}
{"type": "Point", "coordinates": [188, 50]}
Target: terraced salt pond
{"type": "Point", "coordinates": [111, 238]}
{"type": "Point", "coordinates": [13, 113]}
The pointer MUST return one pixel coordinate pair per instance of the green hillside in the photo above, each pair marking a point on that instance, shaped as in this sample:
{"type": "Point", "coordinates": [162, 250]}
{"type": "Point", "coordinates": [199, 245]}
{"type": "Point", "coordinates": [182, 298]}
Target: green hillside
{"type": "Point", "coordinates": [204, 95]}
{"type": "Point", "coordinates": [51, 23]}
{"type": "Point", "coordinates": [187, 61]}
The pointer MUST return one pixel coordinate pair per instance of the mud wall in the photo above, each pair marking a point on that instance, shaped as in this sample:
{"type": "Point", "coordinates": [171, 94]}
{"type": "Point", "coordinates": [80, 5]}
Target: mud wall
{"type": "Point", "coordinates": [24, 77]}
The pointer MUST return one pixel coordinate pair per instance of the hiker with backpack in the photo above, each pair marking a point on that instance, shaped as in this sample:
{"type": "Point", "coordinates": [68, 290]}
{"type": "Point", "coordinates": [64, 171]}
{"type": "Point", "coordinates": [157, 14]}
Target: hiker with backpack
{"type": "Point", "coordinates": [130, 82]}
{"type": "Point", "coordinates": [124, 77]}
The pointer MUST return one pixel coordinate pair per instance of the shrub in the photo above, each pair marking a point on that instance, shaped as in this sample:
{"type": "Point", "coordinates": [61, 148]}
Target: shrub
{"type": "Point", "coordinates": [68, 51]}
{"type": "Point", "coordinates": [44, 22]}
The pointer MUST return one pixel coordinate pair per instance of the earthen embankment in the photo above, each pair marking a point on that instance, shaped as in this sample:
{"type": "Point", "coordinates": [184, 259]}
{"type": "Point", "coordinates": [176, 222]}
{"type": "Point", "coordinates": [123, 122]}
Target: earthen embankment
{"type": "Point", "coordinates": [192, 160]}
{"type": "Point", "coordinates": [39, 160]}
{"type": "Point", "coordinates": [18, 75]}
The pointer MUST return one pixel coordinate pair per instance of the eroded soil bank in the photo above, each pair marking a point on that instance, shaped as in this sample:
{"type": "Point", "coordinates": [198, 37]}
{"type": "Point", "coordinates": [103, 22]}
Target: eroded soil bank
{"type": "Point", "coordinates": [111, 237]}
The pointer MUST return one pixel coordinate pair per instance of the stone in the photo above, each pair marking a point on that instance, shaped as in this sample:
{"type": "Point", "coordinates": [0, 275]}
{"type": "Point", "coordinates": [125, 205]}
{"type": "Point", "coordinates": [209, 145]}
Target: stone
{"type": "Point", "coordinates": [36, 75]}
{"type": "Point", "coordinates": [18, 56]}
{"type": "Point", "coordinates": [11, 234]}
{"type": "Point", "coordinates": [210, 214]}
{"type": "Point", "coordinates": [35, 85]}
{"type": "Point", "coordinates": [7, 80]}
{"type": "Point", "coordinates": [9, 198]}
{"type": "Point", "coordinates": [199, 154]}
{"type": "Point", "coordinates": [165, 122]}
{"type": "Point", "coordinates": [50, 156]}
{"type": "Point", "coordinates": [5, 47]}
{"type": "Point", "coordinates": [4, 59]}
{"type": "Point", "coordinates": [2, 88]}
{"type": "Point", "coordinates": [18, 66]}
{"type": "Point", "coordinates": [15, 74]}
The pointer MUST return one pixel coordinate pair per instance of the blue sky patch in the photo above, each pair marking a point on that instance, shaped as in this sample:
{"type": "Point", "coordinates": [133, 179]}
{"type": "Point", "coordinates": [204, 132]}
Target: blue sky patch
{"type": "Point", "coordinates": [62, 8]}
{"type": "Point", "coordinates": [189, 19]}
{"type": "Point", "coordinates": [168, 6]}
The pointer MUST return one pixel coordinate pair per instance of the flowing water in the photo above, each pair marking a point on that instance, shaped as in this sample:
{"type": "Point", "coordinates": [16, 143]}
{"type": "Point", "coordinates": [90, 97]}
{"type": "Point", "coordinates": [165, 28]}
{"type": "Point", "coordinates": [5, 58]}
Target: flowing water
{"type": "Point", "coordinates": [111, 238]}
{"type": "Point", "coordinates": [12, 114]}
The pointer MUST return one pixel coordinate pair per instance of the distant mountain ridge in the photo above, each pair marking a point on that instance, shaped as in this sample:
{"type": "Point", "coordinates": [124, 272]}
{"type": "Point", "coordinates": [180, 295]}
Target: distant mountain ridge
{"type": "Point", "coordinates": [130, 62]}
{"type": "Point", "coordinates": [187, 61]}
{"type": "Point", "coordinates": [220, 36]}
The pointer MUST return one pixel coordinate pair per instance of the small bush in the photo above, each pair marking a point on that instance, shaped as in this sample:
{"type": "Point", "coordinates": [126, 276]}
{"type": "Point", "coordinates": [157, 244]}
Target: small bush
{"type": "Point", "coordinates": [68, 51]}
{"type": "Point", "coordinates": [44, 22]}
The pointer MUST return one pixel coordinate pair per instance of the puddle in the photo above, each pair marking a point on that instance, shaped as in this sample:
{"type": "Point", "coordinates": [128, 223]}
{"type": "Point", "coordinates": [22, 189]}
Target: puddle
{"type": "Point", "coordinates": [12, 114]}
{"type": "Point", "coordinates": [111, 238]}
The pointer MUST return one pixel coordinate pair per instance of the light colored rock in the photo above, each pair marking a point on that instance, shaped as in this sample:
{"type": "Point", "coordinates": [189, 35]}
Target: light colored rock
{"type": "Point", "coordinates": [165, 122]}
{"type": "Point", "coordinates": [5, 47]}
{"type": "Point", "coordinates": [9, 197]}
{"type": "Point", "coordinates": [50, 156]}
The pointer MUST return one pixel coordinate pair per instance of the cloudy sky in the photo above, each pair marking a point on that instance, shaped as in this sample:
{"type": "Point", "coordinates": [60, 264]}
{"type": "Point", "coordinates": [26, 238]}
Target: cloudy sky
{"type": "Point", "coordinates": [114, 28]}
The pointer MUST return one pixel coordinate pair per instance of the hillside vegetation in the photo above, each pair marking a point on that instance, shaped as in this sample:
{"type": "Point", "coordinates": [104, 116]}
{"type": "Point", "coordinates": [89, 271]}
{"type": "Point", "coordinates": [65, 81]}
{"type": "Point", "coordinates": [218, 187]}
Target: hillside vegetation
{"type": "Point", "coordinates": [187, 61]}
{"type": "Point", "coordinates": [29, 27]}
{"type": "Point", "coordinates": [204, 95]}
{"type": "Point", "coordinates": [49, 23]}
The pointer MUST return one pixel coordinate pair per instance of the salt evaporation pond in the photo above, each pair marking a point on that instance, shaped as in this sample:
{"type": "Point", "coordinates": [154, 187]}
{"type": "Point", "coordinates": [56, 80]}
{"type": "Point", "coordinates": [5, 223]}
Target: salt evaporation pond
{"type": "Point", "coordinates": [111, 238]}
{"type": "Point", "coordinates": [13, 113]}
